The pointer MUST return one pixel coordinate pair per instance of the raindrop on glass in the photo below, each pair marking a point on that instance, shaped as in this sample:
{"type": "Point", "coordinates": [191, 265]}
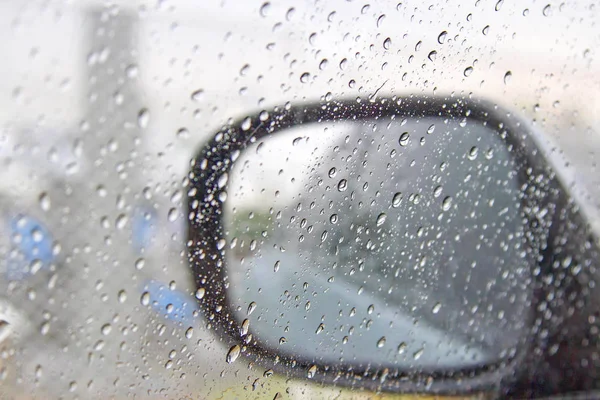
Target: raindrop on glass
{"type": "Point", "coordinates": [233, 354]}
{"type": "Point", "coordinates": [442, 37]}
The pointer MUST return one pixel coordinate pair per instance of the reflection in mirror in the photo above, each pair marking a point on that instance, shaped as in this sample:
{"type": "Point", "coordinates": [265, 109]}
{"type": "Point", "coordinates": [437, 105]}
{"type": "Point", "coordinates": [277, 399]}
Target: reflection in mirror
{"type": "Point", "coordinates": [385, 243]}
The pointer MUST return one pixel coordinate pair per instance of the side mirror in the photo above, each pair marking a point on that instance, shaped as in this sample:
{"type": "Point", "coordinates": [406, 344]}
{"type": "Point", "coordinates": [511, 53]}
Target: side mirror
{"type": "Point", "coordinates": [399, 245]}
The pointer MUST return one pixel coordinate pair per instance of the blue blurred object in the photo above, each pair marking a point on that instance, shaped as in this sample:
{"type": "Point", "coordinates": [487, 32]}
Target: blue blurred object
{"type": "Point", "coordinates": [162, 298]}
{"type": "Point", "coordinates": [143, 227]}
{"type": "Point", "coordinates": [33, 245]}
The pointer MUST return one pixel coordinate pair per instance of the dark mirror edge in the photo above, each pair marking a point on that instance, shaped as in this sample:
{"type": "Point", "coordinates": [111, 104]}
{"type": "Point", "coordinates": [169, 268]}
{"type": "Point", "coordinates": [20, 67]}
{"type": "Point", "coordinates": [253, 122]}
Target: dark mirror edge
{"type": "Point", "coordinates": [209, 268]}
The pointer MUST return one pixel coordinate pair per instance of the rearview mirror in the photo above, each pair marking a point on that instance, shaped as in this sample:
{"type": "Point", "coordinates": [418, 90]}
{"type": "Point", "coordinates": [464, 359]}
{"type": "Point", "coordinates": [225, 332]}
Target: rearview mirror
{"type": "Point", "coordinates": [395, 242]}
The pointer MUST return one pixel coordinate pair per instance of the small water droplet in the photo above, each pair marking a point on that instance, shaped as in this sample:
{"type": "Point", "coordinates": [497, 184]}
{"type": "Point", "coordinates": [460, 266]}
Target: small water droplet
{"type": "Point", "coordinates": [402, 348]}
{"type": "Point", "coordinates": [251, 307]}
{"type": "Point", "coordinates": [431, 129]}
{"type": "Point", "coordinates": [323, 64]}
{"type": "Point", "coordinates": [432, 55]}
{"type": "Point", "coordinates": [404, 138]}
{"type": "Point", "coordinates": [45, 203]}
{"type": "Point", "coordinates": [320, 329]}
{"type": "Point", "coordinates": [221, 244]}
{"type": "Point", "coordinates": [106, 329]}
{"type": "Point", "coordinates": [173, 214]}
{"type": "Point", "coordinates": [473, 153]}
{"type": "Point", "coordinates": [442, 37]}
{"type": "Point", "coordinates": [468, 71]}
{"type": "Point", "coordinates": [45, 328]}
{"type": "Point", "coordinates": [333, 218]}
{"type": "Point", "coordinates": [122, 296]}
{"type": "Point", "coordinates": [381, 219]}
{"type": "Point", "coordinates": [233, 354]}
{"type": "Point", "coordinates": [436, 308]}
{"type": "Point", "coordinates": [485, 29]}
{"type": "Point", "coordinates": [200, 293]}
{"type": "Point", "coordinates": [397, 200]}
{"type": "Point", "coordinates": [265, 9]}
{"type": "Point", "coordinates": [245, 327]}
{"type": "Point", "coordinates": [304, 77]}
{"type": "Point", "coordinates": [499, 5]}
{"type": "Point", "coordinates": [189, 332]}
{"type": "Point", "coordinates": [437, 191]}
{"type": "Point", "coordinates": [121, 221]}
{"type": "Point", "coordinates": [381, 342]}
{"type": "Point", "coordinates": [311, 372]}
{"type": "Point", "coordinates": [282, 340]}
{"type": "Point", "coordinates": [145, 299]}
{"type": "Point", "coordinates": [143, 118]}
{"type": "Point", "coordinates": [246, 124]}
{"type": "Point", "coordinates": [132, 71]}
{"type": "Point", "coordinates": [140, 263]}
{"type": "Point", "coordinates": [446, 203]}
{"type": "Point", "coordinates": [343, 63]}
{"type": "Point", "coordinates": [417, 354]}
{"type": "Point", "coordinates": [507, 77]}
{"type": "Point", "coordinates": [387, 43]}
{"type": "Point", "coordinates": [342, 185]}
{"type": "Point", "coordinates": [547, 11]}
{"type": "Point", "coordinates": [197, 95]}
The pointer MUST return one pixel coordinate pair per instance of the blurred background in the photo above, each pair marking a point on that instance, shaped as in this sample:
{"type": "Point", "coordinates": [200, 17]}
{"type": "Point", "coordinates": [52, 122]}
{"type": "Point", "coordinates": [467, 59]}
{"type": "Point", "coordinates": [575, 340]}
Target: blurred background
{"type": "Point", "coordinates": [103, 104]}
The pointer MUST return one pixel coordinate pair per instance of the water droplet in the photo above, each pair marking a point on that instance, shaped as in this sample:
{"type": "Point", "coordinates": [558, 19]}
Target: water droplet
{"type": "Point", "coordinates": [351, 83]}
{"type": "Point", "coordinates": [311, 372]}
{"type": "Point", "coordinates": [246, 124]}
{"type": "Point", "coordinates": [468, 71]}
{"type": "Point", "coordinates": [437, 191]}
{"type": "Point", "coordinates": [197, 95]}
{"type": "Point", "coordinates": [320, 329]}
{"type": "Point", "coordinates": [381, 219]}
{"type": "Point", "coordinates": [143, 118]}
{"type": "Point", "coordinates": [473, 153]}
{"type": "Point", "coordinates": [507, 77]}
{"type": "Point", "coordinates": [442, 37]}
{"type": "Point", "coordinates": [432, 55]}
{"type": "Point", "coordinates": [436, 308]}
{"type": "Point", "coordinates": [140, 263]}
{"type": "Point", "coordinates": [45, 328]}
{"type": "Point", "coordinates": [381, 342]}
{"type": "Point", "coordinates": [145, 299]}
{"type": "Point", "coordinates": [221, 244]}
{"type": "Point", "coordinates": [307, 306]}
{"type": "Point", "coordinates": [323, 64]}
{"type": "Point", "coordinates": [447, 203]}
{"type": "Point", "coordinates": [132, 71]}
{"type": "Point", "coordinates": [404, 137]}
{"type": "Point", "coordinates": [333, 218]}
{"type": "Point", "coordinates": [397, 200]}
{"type": "Point", "coordinates": [499, 5]}
{"type": "Point", "coordinates": [387, 43]}
{"type": "Point", "coordinates": [45, 201]}
{"type": "Point", "coordinates": [122, 296]}
{"type": "Point", "coordinates": [417, 354]}
{"type": "Point", "coordinates": [182, 133]}
{"type": "Point", "coordinates": [106, 329]}
{"type": "Point", "coordinates": [485, 29]}
{"type": "Point", "coordinates": [343, 63]}
{"type": "Point", "coordinates": [245, 327]}
{"type": "Point", "coordinates": [431, 129]}
{"type": "Point", "coordinates": [189, 332]}
{"type": "Point", "coordinates": [265, 9]}
{"type": "Point", "coordinates": [304, 77]}
{"type": "Point", "coordinates": [233, 354]}
{"type": "Point", "coordinates": [282, 340]}
{"type": "Point", "coordinates": [547, 11]}
{"type": "Point", "coordinates": [332, 172]}
{"type": "Point", "coordinates": [121, 221]}
{"type": "Point", "coordinates": [402, 348]}
{"type": "Point", "coordinates": [200, 293]}
{"type": "Point", "coordinates": [173, 214]}
{"type": "Point", "coordinates": [251, 307]}
{"type": "Point", "coordinates": [342, 185]}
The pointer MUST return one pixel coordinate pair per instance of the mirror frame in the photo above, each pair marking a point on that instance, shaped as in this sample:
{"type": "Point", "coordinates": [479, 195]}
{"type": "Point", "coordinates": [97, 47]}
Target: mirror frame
{"type": "Point", "coordinates": [205, 229]}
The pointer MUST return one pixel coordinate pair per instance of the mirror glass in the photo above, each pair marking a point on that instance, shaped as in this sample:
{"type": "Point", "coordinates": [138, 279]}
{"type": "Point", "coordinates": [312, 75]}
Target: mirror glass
{"type": "Point", "coordinates": [396, 242]}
